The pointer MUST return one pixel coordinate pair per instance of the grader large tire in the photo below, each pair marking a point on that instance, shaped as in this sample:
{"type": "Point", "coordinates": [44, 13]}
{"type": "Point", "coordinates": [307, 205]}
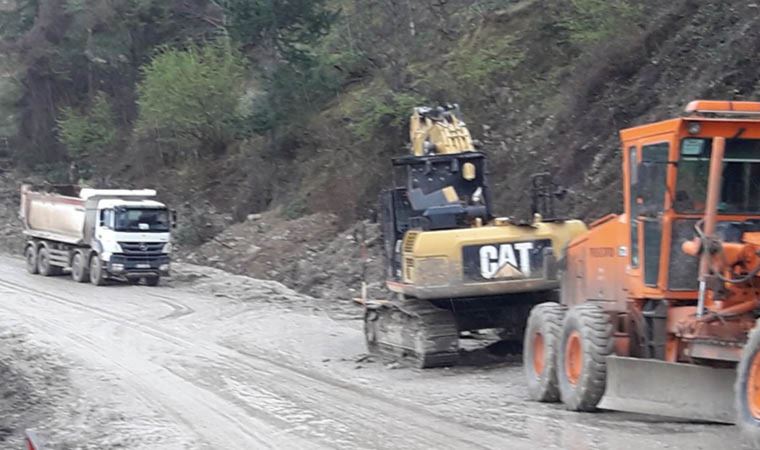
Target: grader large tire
{"type": "Point", "coordinates": [747, 388]}
{"type": "Point", "coordinates": [587, 340]}
{"type": "Point", "coordinates": [540, 348]}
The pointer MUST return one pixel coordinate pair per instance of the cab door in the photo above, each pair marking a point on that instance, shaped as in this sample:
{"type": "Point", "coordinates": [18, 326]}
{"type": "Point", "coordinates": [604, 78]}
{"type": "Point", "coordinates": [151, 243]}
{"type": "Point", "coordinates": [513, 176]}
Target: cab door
{"type": "Point", "coordinates": [650, 191]}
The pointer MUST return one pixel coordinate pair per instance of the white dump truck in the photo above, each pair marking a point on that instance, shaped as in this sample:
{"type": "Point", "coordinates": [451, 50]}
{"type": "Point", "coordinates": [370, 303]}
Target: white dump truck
{"type": "Point", "coordinates": [96, 234]}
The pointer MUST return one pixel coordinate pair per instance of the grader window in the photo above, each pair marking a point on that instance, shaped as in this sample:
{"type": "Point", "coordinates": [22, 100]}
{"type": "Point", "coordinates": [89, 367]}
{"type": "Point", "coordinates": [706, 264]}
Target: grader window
{"type": "Point", "coordinates": [740, 192]}
{"type": "Point", "coordinates": [632, 166]}
{"type": "Point", "coordinates": [652, 174]}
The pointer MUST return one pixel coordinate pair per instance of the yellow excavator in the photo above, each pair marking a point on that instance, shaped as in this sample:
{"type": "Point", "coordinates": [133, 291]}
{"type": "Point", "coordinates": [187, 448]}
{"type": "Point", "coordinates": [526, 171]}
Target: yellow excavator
{"type": "Point", "coordinates": [452, 265]}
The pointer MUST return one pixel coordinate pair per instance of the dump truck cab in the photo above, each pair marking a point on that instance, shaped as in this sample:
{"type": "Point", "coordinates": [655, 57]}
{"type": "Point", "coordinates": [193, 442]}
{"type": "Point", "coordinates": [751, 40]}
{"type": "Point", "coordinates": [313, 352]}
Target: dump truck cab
{"type": "Point", "coordinates": [133, 236]}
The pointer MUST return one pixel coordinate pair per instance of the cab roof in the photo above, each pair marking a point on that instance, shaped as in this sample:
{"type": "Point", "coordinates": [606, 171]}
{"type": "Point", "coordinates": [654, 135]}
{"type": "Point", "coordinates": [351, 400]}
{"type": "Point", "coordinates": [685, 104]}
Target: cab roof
{"type": "Point", "coordinates": [710, 111]}
{"type": "Point", "coordinates": [116, 202]}
{"type": "Point", "coordinates": [138, 193]}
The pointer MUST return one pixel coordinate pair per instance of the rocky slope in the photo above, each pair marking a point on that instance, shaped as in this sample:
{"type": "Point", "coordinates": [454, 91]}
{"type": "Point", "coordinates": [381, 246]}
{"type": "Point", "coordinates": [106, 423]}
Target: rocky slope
{"type": "Point", "coordinates": [11, 240]}
{"type": "Point", "coordinates": [313, 254]}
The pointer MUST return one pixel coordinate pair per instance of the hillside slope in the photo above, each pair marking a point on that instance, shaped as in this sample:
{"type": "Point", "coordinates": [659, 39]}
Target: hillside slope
{"type": "Point", "coordinates": [539, 100]}
{"type": "Point", "coordinates": [543, 87]}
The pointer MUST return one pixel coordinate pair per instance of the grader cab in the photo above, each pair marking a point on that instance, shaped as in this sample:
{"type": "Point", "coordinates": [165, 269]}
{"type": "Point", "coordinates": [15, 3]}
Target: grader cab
{"type": "Point", "coordinates": [659, 304]}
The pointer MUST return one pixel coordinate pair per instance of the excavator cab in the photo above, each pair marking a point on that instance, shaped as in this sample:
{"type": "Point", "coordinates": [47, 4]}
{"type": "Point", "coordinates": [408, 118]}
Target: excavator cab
{"type": "Point", "coordinates": [434, 192]}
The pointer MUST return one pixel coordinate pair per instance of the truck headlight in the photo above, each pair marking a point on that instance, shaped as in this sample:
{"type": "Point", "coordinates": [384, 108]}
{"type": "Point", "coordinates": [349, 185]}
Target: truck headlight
{"type": "Point", "coordinates": [167, 248]}
{"type": "Point", "coordinates": [164, 268]}
{"type": "Point", "coordinates": [117, 267]}
{"type": "Point", "coordinates": [112, 247]}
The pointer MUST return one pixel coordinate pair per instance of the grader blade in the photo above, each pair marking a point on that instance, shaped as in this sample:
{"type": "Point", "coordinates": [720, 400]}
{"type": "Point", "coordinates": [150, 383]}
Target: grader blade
{"type": "Point", "coordinates": [685, 391]}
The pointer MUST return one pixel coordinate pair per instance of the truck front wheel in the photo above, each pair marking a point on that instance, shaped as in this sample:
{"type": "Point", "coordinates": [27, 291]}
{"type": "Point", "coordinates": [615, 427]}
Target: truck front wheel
{"type": "Point", "coordinates": [97, 274]}
{"type": "Point", "coordinates": [80, 270]}
{"type": "Point", "coordinates": [30, 254]}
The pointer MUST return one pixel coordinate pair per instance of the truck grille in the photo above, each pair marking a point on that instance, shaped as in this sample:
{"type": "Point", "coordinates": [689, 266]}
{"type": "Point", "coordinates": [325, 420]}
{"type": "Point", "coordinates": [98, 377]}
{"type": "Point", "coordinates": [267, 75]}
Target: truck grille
{"type": "Point", "coordinates": [142, 248]}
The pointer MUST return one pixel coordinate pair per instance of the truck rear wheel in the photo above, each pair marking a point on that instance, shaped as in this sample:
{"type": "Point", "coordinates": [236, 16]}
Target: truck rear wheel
{"type": "Point", "coordinates": [44, 267]}
{"type": "Point", "coordinates": [30, 254]}
{"type": "Point", "coordinates": [582, 371]}
{"type": "Point", "coordinates": [747, 388]}
{"type": "Point", "coordinates": [541, 343]}
{"type": "Point", "coordinates": [80, 270]}
{"type": "Point", "coordinates": [97, 274]}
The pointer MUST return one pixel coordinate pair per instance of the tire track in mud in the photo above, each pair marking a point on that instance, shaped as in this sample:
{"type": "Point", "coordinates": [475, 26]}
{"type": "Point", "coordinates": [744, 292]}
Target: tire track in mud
{"type": "Point", "coordinates": [179, 310]}
{"type": "Point", "coordinates": [220, 430]}
{"type": "Point", "coordinates": [317, 402]}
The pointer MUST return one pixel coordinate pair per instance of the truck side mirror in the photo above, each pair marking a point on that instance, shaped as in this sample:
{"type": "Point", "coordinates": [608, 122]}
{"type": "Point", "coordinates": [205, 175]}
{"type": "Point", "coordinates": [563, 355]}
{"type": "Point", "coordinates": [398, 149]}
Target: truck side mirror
{"type": "Point", "coordinates": [174, 219]}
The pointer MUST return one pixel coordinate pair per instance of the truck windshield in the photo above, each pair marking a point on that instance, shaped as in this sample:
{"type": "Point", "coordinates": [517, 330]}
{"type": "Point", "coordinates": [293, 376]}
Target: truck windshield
{"type": "Point", "coordinates": [740, 192]}
{"type": "Point", "coordinates": [142, 220]}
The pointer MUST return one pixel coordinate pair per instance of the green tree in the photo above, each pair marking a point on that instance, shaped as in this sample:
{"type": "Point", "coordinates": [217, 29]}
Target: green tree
{"type": "Point", "coordinates": [289, 26]}
{"type": "Point", "coordinates": [90, 133]}
{"type": "Point", "coordinates": [191, 97]}
{"type": "Point", "coordinates": [17, 18]}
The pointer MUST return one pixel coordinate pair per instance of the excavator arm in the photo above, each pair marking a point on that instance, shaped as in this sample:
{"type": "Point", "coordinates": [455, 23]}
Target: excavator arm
{"type": "Point", "coordinates": [439, 131]}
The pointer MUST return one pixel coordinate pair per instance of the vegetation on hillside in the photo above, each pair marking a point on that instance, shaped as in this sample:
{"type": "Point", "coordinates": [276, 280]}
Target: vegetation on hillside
{"type": "Point", "coordinates": [189, 99]}
{"type": "Point", "coordinates": [300, 103]}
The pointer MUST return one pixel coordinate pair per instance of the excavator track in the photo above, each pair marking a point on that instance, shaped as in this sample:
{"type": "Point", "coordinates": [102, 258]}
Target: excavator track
{"type": "Point", "coordinates": [414, 331]}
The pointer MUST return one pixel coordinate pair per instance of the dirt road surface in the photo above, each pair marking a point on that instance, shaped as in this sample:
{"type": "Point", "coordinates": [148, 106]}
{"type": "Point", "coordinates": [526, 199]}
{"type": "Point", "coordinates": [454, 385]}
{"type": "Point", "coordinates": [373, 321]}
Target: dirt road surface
{"type": "Point", "coordinates": [221, 361]}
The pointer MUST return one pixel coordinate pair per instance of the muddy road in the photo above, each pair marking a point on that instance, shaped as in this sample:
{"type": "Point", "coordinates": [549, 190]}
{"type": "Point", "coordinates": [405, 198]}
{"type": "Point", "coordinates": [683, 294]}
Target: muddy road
{"type": "Point", "coordinates": [222, 361]}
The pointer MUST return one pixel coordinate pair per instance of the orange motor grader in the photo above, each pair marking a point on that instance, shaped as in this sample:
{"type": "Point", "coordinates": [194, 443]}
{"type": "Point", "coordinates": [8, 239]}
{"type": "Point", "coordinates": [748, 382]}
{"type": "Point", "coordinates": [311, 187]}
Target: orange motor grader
{"type": "Point", "coordinates": [659, 305]}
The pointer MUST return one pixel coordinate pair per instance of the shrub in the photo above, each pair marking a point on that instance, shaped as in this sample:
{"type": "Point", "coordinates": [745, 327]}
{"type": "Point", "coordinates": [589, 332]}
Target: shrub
{"type": "Point", "coordinates": [190, 97]}
{"type": "Point", "coordinates": [89, 133]}
{"type": "Point", "coordinates": [380, 113]}
{"type": "Point", "coordinates": [597, 20]}
{"type": "Point", "coordinates": [475, 64]}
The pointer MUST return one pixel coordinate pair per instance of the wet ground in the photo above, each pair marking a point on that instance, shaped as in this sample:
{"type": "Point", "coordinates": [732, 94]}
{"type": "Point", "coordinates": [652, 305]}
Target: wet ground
{"type": "Point", "coordinates": [230, 362]}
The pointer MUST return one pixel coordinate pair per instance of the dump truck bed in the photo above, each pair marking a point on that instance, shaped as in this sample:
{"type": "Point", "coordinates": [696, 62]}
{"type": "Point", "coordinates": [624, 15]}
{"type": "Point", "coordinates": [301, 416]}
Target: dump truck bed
{"type": "Point", "coordinates": [53, 216]}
